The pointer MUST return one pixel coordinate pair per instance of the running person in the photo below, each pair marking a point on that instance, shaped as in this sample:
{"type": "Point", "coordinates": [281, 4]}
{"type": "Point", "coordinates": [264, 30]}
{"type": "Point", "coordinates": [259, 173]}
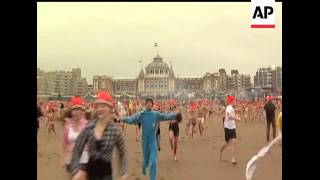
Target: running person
{"type": "Point", "coordinates": [201, 114]}
{"type": "Point", "coordinates": [192, 120]}
{"type": "Point", "coordinates": [51, 122]}
{"type": "Point", "coordinates": [246, 112]}
{"type": "Point", "coordinates": [124, 126]}
{"type": "Point", "coordinates": [148, 119]}
{"type": "Point", "coordinates": [72, 129]}
{"type": "Point", "coordinates": [230, 129]}
{"type": "Point", "coordinates": [134, 109]}
{"type": "Point", "coordinates": [173, 134]}
{"type": "Point", "coordinates": [101, 137]}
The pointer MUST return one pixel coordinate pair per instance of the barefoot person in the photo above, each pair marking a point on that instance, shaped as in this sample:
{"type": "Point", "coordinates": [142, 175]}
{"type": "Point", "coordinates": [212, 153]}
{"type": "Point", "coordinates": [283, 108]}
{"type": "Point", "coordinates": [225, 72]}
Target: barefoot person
{"type": "Point", "coordinates": [192, 117]}
{"type": "Point", "coordinates": [101, 137]}
{"type": "Point", "coordinates": [51, 122]}
{"type": "Point", "coordinates": [230, 129]}
{"type": "Point", "coordinates": [201, 116]}
{"type": "Point", "coordinates": [148, 119]}
{"type": "Point", "coordinates": [72, 129]}
{"type": "Point", "coordinates": [173, 132]}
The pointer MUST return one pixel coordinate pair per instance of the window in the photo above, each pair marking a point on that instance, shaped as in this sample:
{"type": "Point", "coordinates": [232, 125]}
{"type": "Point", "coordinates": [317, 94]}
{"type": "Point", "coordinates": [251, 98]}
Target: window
{"type": "Point", "coordinates": [157, 71]}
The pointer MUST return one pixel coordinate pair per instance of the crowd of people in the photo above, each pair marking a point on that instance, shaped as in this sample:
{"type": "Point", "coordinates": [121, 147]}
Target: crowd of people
{"type": "Point", "coordinates": [92, 130]}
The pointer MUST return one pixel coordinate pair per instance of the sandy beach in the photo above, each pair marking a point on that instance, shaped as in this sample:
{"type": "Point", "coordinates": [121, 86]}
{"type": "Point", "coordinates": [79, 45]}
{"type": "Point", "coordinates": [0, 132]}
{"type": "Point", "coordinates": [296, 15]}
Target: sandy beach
{"type": "Point", "coordinates": [197, 159]}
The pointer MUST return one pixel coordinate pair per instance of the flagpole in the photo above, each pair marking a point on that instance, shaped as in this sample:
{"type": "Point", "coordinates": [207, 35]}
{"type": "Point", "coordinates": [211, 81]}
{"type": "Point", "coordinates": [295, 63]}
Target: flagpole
{"type": "Point", "coordinates": [156, 46]}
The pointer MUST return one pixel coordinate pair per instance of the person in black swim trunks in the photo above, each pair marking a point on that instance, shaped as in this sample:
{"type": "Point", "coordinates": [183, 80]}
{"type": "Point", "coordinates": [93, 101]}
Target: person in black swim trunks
{"type": "Point", "coordinates": [173, 132]}
{"type": "Point", "coordinates": [192, 120]}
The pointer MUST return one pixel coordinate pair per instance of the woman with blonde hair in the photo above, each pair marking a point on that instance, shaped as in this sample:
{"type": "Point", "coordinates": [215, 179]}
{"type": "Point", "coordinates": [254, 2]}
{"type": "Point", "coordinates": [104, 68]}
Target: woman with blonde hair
{"type": "Point", "coordinates": [101, 137]}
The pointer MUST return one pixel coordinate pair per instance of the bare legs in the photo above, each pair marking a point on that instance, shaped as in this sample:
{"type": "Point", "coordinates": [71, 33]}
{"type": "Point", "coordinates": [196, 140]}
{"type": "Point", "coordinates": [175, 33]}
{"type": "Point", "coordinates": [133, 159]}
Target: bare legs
{"type": "Point", "coordinates": [232, 144]}
{"type": "Point", "coordinates": [137, 133]}
{"type": "Point", "coordinates": [173, 143]}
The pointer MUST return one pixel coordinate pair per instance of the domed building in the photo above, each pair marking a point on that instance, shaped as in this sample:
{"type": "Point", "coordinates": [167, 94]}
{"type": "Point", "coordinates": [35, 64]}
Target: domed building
{"type": "Point", "coordinates": [157, 78]}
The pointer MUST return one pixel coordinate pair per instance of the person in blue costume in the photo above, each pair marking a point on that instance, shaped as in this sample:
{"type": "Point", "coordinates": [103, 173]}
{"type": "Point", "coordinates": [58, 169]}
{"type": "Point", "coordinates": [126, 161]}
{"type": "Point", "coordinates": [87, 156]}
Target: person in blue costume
{"type": "Point", "coordinates": [149, 119]}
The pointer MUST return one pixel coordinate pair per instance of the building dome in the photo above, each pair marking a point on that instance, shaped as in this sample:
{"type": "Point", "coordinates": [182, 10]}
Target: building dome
{"type": "Point", "coordinates": [157, 63]}
{"type": "Point", "coordinates": [158, 67]}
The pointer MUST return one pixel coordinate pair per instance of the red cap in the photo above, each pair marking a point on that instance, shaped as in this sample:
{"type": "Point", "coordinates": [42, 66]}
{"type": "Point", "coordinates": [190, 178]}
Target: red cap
{"type": "Point", "coordinates": [77, 102]}
{"type": "Point", "coordinates": [230, 99]}
{"type": "Point", "coordinates": [270, 98]}
{"type": "Point", "coordinates": [105, 98]}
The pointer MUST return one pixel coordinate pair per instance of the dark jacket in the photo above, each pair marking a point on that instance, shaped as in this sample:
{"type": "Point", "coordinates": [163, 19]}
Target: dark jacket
{"type": "Point", "coordinates": [270, 111]}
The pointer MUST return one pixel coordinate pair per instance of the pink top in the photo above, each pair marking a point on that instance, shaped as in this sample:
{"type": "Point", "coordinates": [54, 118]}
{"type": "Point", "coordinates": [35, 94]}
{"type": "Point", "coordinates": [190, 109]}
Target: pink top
{"type": "Point", "coordinates": [70, 135]}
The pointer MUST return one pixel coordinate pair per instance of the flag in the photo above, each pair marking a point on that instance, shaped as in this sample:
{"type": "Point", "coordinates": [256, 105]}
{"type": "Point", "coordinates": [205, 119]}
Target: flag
{"type": "Point", "coordinates": [155, 44]}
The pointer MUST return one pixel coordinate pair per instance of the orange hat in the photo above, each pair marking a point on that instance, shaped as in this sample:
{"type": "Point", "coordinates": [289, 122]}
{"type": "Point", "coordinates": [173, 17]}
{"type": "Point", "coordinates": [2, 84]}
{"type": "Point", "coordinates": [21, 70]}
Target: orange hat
{"type": "Point", "coordinates": [230, 99]}
{"type": "Point", "coordinates": [77, 102]}
{"type": "Point", "coordinates": [105, 98]}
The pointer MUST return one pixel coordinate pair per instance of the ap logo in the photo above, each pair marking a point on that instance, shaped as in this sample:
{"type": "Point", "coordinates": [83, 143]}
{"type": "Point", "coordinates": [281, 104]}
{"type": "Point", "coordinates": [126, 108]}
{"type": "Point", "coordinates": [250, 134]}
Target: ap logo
{"type": "Point", "coordinates": [262, 14]}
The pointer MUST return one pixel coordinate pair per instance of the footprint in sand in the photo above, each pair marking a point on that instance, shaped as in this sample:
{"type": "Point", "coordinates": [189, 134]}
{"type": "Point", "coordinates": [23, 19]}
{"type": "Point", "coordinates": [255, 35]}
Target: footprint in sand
{"type": "Point", "coordinates": [133, 174]}
{"type": "Point", "coordinates": [137, 178]}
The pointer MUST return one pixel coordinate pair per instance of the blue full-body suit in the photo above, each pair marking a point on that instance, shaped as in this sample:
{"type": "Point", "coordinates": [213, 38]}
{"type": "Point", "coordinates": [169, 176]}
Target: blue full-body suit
{"type": "Point", "coordinates": [149, 120]}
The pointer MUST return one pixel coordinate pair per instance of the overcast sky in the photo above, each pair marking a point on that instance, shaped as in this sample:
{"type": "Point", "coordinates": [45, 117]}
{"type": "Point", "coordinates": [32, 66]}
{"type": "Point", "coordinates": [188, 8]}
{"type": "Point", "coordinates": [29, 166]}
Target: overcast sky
{"type": "Point", "coordinates": [110, 38]}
